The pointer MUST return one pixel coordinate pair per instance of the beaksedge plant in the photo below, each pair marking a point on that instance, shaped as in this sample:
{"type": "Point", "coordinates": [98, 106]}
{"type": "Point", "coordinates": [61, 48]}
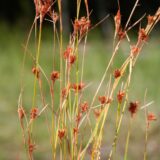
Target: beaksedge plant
{"type": "Point", "coordinates": [73, 113]}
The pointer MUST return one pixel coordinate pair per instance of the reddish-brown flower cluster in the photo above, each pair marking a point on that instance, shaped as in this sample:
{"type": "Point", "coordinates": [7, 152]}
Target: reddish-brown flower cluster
{"type": "Point", "coordinates": [42, 7]}
{"type": "Point", "coordinates": [21, 113]}
{"type": "Point", "coordinates": [120, 96]}
{"type": "Point", "coordinates": [67, 52]}
{"type": "Point", "coordinates": [72, 59]}
{"type": "Point", "coordinates": [31, 148]}
{"type": "Point", "coordinates": [117, 20]}
{"type": "Point", "coordinates": [134, 50]}
{"type": "Point", "coordinates": [81, 25]}
{"type": "Point", "coordinates": [133, 108]}
{"type": "Point", "coordinates": [121, 34]}
{"type": "Point", "coordinates": [34, 113]}
{"type": "Point", "coordinates": [150, 19]}
{"type": "Point", "coordinates": [84, 107]}
{"type": "Point", "coordinates": [61, 133]}
{"type": "Point", "coordinates": [55, 75]}
{"type": "Point", "coordinates": [36, 72]}
{"type": "Point", "coordinates": [142, 35]}
{"type": "Point", "coordinates": [78, 87]}
{"type": "Point", "coordinates": [68, 55]}
{"type": "Point", "coordinates": [104, 100]}
{"type": "Point", "coordinates": [151, 117]}
{"type": "Point", "coordinates": [117, 73]}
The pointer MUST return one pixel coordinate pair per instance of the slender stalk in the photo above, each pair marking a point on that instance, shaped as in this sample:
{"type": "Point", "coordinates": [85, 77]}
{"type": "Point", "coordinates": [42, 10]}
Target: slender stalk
{"type": "Point", "coordinates": [61, 50]}
{"type": "Point", "coordinates": [146, 129]}
{"type": "Point", "coordinates": [146, 138]}
{"type": "Point", "coordinates": [127, 139]}
{"type": "Point", "coordinates": [37, 62]}
{"type": "Point", "coordinates": [118, 113]}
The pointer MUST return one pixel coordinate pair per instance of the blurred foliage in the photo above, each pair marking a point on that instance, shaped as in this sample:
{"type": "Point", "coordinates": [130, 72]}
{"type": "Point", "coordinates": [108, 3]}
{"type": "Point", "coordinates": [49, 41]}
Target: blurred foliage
{"type": "Point", "coordinates": [146, 75]}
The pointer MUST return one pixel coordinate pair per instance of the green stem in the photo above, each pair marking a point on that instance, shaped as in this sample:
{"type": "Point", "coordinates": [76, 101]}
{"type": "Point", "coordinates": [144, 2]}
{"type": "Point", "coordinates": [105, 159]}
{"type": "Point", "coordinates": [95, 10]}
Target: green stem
{"type": "Point", "coordinates": [127, 140]}
{"type": "Point", "coordinates": [37, 61]}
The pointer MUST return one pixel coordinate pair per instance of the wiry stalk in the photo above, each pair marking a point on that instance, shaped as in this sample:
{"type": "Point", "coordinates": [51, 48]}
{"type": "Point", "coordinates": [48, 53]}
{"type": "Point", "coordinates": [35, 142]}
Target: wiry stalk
{"type": "Point", "coordinates": [127, 139]}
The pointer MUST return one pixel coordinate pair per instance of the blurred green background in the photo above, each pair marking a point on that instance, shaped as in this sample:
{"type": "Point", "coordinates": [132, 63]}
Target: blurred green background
{"type": "Point", "coordinates": [145, 76]}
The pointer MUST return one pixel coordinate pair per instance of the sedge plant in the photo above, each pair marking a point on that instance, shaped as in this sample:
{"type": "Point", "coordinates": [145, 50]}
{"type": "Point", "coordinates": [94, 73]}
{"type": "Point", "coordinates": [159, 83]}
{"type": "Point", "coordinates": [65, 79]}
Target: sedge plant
{"type": "Point", "coordinates": [68, 115]}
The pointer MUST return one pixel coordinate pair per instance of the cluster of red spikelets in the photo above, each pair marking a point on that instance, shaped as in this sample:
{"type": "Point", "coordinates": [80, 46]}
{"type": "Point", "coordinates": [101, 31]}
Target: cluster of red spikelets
{"type": "Point", "coordinates": [54, 76]}
{"type": "Point", "coordinates": [78, 87]}
{"type": "Point", "coordinates": [120, 96]}
{"type": "Point", "coordinates": [150, 117]}
{"type": "Point", "coordinates": [34, 113]}
{"type": "Point", "coordinates": [61, 133]}
{"type": "Point", "coordinates": [83, 109]}
{"type": "Point", "coordinates": [81, 25]}
{"type": "Point", "coordinates": [104, 100]}
{"type": "Point", "coordinates": [36, 72]}
{"type": "Point", "coordinates": [118, 29]}
{"type": "Point", "coordinates": [117, 73]}
{"type": "Point", "coordinates": [133, 108]}
{"type": "Point", "coordinates": [69, 56]}
{"type": "Point", "coordinates": [42, 7]}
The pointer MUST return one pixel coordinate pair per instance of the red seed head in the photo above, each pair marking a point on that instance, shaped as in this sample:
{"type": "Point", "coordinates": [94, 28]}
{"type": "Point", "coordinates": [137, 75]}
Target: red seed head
{"type": "Point", "coordinates": [117, 73]}
{"type": "Point", "coordinates": [121, 34]}
{"type": "Point", "coordinates": [118, 16]}
{"type": "Point", "coordinates": [42, 7]}
{"type": "Point", "coordinates": [81, 25]}
{"type": "Point", "coordinates": [84, 107]}
{"type": "Point", "coordinates": [67, 52]}
{"type": "Point", "coordinates": [102, 99]}
{"type": "Point", "coordinates": [134, 50]}
{"type": "Point", "coordinates": [142, 35]}
{"type": "Point", "coordinates": [120, 96]}
{"type": "Point", "coordinates": [55, 75]}
{"type": "Point", "coordinates": [34, 113]}
{"type": "Point", "coordinates": [133, 107]}
{"type": "Point", "coordinates": [36, 72]}
{"type": "Point", "coordinates": [61, 133]}
{"type": "Point", "coordinates": [117, 20]}
{"type": "Point", "coordinates": [78, 87]}
{"type": "Point", "coordinates": [72, 59]}
{"type": "Point", "coordinates": [76, 25]}
{"type": "Point", "coordinates": [151, 117]}
{"type": "Point", "coordinates": [31, 148]}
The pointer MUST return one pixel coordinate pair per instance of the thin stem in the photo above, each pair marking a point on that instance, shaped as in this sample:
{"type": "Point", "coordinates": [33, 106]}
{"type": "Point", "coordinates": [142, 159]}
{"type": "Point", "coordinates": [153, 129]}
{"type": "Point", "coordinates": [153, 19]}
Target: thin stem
{"type": "Point", "coordinates": [127, 139]}
{"type": "Point", "coordinates": [146, 129]}
{"type": "Point", "coordinates": [131, 14]}
{"type": "Point", "coordinates": [37, 61]}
